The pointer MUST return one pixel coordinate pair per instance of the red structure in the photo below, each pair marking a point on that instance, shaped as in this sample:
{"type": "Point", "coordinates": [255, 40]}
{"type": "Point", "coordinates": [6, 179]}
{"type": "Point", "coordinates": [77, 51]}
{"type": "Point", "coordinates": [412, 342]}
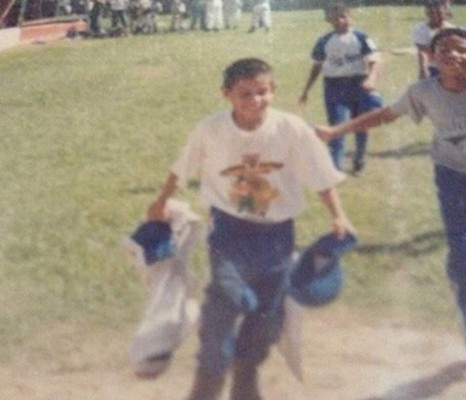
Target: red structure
{"type": "Point", "coordinates": [41, 20]}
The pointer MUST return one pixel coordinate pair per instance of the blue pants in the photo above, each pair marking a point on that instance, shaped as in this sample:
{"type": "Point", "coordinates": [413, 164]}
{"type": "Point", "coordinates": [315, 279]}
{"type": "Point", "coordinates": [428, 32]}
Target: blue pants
{"type": "Point", "coordinates": [242, 315]}
{"type": "Point", "coordinates": [451, 189]}
{"type": "Point", "coordinates": [345, 99]}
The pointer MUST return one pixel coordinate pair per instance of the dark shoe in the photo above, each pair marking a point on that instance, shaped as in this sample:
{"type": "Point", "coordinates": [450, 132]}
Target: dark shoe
{"type": "Point", "coordinates": [358, 166]}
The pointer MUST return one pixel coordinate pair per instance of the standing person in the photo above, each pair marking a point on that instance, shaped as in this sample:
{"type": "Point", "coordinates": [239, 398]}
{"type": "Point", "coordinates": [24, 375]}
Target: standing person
{"type": "Point", "coordinates": [118, 8]}
{"type": "Point", "coordinates": [197, 11]}
{"type": "Point", "coordinates": [177, 10]}
{"type": "Point", "coordinates": [232, 13]}
{"type": "Point", "coordinates": [442, 99]}
{"type": "Point", "coordinates": [261, 16]}
{"type": "Point", "coordinates": [214, 15]}
{"type": "Point", "coordinates": [255, 163]}
{"type": "Point", "coordinates": [437, 18]}
{"type": "Point", "coordinates": [97, 8]}
{"type": "Point", "coordinates": [348, 59]}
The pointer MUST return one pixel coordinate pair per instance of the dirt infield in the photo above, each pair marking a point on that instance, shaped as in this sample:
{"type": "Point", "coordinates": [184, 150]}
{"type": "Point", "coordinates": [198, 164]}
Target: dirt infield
{"type": "Point", "coordinates": [345, 359]}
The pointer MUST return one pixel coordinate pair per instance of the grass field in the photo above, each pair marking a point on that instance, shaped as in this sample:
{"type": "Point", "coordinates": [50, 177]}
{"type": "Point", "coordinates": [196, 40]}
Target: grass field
{"type": "Point", "coordinates": [89, 129]}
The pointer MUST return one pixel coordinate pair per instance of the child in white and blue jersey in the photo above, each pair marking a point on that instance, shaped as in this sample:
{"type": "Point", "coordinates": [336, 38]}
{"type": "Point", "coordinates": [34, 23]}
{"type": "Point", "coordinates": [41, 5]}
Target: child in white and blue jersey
{"type": "Point", "coordinates": [347, 59]}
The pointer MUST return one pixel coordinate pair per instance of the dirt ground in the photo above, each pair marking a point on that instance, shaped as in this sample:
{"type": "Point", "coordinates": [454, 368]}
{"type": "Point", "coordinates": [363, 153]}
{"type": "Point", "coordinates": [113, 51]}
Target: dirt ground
{"type": "Point", "coordinates": [345, 358]}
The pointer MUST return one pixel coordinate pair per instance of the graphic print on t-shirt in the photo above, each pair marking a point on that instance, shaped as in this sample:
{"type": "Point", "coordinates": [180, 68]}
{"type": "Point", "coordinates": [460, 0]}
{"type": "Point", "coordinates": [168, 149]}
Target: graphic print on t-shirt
{"type": "Point", "coordinates": [250, 191]}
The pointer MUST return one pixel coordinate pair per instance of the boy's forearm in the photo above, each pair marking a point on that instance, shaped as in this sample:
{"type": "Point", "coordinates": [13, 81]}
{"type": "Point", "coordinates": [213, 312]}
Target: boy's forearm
{"type": "Point", "coordinates": [340, 223]}
{"type": "Point", "coordinates": [156, 210]}
{"type": "Point", "coordinates": [171, 184]}
{"type": "Point", "coordinates": [364, 122]}
{"type": "Point", "coordinates": [313, 75]}
{"type": "Point", "coordinates": [331, 200]}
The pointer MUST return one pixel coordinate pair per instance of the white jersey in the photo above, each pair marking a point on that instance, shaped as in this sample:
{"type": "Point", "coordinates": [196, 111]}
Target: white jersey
{"type": "Point", "coordinates": [259, 175]}
{"type": "Point", "coordinates": [446, 110]}
{"type": "Point", "coordinates": [422, 33]}
{"type": "Point", "coordinates": [345, 55]}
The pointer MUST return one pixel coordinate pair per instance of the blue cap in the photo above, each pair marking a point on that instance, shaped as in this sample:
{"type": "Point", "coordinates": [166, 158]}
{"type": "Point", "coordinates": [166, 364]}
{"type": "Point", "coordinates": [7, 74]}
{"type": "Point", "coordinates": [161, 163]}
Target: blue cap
{"type": "Point", "coordinates": [317, 278]}
{"type": "Point", "coordinates": [155, 239]}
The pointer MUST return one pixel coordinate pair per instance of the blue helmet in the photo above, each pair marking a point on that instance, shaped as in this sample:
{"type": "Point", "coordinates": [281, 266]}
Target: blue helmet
{"type": "Point", "coordinates": [155, 239]}
{"type": "Point", "coordinates": [317, 278]}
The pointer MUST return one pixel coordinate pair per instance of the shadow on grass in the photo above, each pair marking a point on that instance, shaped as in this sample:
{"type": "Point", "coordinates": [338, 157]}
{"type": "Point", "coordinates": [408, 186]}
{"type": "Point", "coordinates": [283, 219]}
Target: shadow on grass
{"type": "Point", "coordinates": [194, 184]}
{"type": "Point", "coordinates": [411, 150]}
{"type": "Point", "coordinates": [424, 243]}
{"type": "Point", "coordinates": [428, 387]}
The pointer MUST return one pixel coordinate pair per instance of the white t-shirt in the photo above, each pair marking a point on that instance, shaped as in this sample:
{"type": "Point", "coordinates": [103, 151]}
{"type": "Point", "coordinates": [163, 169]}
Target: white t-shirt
{"type": "Point", "coordinates": [257, 175]}
{"type": "Point", "coordinates": [446, 110]}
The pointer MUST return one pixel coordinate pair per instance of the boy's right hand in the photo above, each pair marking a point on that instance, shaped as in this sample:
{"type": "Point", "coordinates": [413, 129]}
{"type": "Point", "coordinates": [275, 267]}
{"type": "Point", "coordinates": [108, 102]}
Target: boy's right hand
{"type": "Point", "coordinates": [303, 100]}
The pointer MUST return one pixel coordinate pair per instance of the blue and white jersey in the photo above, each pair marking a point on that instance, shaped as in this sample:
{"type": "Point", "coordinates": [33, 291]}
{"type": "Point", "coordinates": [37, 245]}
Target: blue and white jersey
{"type": "Point", "coordinates": [344, 55]}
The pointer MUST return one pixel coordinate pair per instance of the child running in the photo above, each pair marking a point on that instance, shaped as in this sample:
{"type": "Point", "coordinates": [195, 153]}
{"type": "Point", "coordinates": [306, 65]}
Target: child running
{"type": "Point", "coordinates": [442, 99]}
{"type": "Point", "coordinates": [437, 18]}
{"type": "Point", "coordinates": [254, 163]}
{"type": "Point", "coordinates": [348, 60]}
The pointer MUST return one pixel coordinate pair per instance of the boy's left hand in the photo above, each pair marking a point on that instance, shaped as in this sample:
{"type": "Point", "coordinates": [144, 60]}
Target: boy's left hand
{"type": "Point", "coordinates": [342, 227]}
{"type": "Point", "coordinates": [325, 133]}
{"type": "Point", "coordinates": [369, 85]}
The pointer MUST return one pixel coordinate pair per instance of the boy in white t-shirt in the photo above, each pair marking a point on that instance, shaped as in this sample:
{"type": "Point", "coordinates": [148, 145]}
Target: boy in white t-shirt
{"type": "Point", "coordinates": [437, 18]}
{"type": "Point", "coordinates": [441, 99]}
{"type": "Point", "coordinates": [255, 163]}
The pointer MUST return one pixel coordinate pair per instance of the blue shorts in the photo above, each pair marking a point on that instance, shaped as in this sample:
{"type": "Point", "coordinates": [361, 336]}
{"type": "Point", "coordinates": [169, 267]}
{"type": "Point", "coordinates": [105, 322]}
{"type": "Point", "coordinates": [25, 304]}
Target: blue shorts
{"type": "Point", "coordinates": [348, 92]}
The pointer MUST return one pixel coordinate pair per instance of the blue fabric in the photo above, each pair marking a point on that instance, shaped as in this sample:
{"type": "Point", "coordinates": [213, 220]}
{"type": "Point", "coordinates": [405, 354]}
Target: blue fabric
{"type": "Point", "coordinates": [346, 99]}
{"type": "Point", "coordinates": [242, 315]}
{"type": "Point", "coordinates": [228, 332]}
{"type": "Point", "coordinates": [312, 286]}
{"type": "Point", "coordinates": [451, 191]}
{"type": "Point", "coordinates": [156, 240]}
{"type": "Point", "coordinates": [252, 247]}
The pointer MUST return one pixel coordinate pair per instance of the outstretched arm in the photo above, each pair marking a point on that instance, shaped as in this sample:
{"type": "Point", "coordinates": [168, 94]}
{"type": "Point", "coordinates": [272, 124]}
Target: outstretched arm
{"type": "Point", "coordinates": [361, 123]}
{"type": "Point", "coordinates": [156, 210]}
{"type": "Point", "coordinates": [341, 225]}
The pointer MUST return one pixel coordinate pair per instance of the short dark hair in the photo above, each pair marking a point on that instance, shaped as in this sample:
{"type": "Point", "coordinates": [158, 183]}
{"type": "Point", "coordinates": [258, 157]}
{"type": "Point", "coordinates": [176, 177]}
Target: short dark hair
{"type": "Point", "coordinates": [443, 33]}
{"type": "Point", "coordinates": [335, 8]}
{"type": "Point", "coordinates": [245, 68]}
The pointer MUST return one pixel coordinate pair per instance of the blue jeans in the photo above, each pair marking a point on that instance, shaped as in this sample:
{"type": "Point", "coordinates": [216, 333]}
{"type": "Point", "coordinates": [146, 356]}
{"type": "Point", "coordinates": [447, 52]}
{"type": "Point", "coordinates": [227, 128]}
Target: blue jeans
{"type": "Point", "coordinates": [242, 314]}
{"type": "Point", "coordinates": [451, 189]}
{"type": "Point", "coordinates": [345, 99]}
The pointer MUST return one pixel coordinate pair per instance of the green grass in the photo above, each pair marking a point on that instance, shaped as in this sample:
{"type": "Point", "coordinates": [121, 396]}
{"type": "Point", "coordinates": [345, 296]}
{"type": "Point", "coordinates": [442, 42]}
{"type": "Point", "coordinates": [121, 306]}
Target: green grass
{"type": "Point", "coordinates": [89, 129]}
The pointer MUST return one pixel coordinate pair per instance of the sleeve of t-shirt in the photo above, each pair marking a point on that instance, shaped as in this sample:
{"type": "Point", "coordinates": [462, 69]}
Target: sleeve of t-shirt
{"type": "Point", "coordinates": [190, 159]}
{"type": "Point", "coordinates": [418, 36]}
{"type": "Point", "coordinates": [410, 103]}
{"type": "Point", "coordinates": [318, 52]}
{"type": "Point", "coordinates": [368, 47]}
{"type": "Point", "coordinates": [314, 163]}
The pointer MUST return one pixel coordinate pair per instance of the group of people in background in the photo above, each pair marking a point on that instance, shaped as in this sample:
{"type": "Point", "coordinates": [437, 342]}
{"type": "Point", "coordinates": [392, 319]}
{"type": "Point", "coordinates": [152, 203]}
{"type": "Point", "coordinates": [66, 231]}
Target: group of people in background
{"type": "Point", "coordinates": [141, 16]}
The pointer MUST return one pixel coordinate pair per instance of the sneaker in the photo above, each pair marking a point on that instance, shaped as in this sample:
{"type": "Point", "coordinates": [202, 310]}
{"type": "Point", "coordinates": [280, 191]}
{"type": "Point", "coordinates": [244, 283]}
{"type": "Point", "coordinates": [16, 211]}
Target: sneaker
{"type": "Point", "coordinates": [358, 166]}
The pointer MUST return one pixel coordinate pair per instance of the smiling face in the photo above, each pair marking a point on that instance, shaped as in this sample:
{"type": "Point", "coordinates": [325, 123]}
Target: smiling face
{"type": "Point", "coordinates": [450, 56]}
{"type": "Point", "coordinates": [250, 99]}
